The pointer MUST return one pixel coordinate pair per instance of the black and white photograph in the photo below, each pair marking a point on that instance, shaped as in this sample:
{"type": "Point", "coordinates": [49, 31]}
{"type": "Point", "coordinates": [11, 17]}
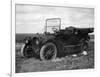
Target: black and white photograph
{"type": "Point", "coordinates": [53, 38]}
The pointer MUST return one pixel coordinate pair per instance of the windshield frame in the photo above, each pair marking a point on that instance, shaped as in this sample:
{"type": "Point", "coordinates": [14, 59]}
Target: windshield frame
{"type": "Point", "coordinates": [59, 25]}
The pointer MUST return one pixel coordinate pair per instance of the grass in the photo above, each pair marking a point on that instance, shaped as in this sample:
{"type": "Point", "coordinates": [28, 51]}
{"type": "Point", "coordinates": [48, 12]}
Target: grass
{"type": "Point", "coordinates": [65, 63]}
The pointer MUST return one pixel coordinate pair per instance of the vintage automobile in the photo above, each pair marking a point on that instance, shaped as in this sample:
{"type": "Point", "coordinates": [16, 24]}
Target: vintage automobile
{"type": "Point", "coordinates": [56, 42]}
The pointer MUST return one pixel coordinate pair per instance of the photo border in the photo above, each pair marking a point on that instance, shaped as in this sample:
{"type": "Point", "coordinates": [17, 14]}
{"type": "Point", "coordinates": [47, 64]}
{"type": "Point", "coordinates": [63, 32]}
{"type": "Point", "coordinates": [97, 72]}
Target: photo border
{"type": "Point", "coordinates": [13, 23]}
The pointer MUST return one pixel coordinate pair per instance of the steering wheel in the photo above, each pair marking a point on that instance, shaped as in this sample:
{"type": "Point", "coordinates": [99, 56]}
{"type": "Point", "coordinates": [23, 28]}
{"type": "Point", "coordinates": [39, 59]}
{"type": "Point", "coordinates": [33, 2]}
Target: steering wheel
{"type": "Point", "coordinates": [55, 29]}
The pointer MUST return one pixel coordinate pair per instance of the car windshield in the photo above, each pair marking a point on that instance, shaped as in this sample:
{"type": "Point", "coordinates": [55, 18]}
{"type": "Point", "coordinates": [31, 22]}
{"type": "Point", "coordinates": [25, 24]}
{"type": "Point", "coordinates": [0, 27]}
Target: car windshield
{"type": "Point", "coordinates": [53, 24]}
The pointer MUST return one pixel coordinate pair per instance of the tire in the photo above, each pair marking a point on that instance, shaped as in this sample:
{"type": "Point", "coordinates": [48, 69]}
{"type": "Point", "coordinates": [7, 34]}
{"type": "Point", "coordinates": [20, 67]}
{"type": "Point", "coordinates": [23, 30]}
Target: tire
{"type": "Point", "coordinates": [84, 47]}
{"type": "Point", "coordinates": [27, 51]}
{"type": "Point", "coordinates": [48, 51]}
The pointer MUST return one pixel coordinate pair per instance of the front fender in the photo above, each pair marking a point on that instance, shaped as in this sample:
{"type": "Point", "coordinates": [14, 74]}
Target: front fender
{"type": "Point", "coordinates": [22, 49]}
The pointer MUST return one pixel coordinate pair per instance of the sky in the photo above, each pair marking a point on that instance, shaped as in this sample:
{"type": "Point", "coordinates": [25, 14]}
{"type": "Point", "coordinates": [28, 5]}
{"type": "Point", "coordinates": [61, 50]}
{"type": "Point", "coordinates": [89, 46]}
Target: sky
{"type": "Point", "coordinates": [32, 18]}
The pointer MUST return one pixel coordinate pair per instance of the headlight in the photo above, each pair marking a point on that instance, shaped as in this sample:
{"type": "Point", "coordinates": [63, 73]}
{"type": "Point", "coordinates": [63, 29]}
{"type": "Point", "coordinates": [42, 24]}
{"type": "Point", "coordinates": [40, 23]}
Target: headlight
{"type": "Point", "coordinates": [26, 41]}
{"type": "Point", "coordinates": [37, 42]}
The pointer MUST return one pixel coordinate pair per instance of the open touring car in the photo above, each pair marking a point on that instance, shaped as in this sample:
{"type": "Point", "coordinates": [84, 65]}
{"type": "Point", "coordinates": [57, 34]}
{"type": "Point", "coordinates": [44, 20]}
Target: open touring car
{"type": "Point", "coordinates": [56, 42]}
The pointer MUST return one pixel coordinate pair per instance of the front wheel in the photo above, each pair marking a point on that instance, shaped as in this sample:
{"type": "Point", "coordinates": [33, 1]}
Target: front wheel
{"type": "Point", "coordinates": [48, 51]}
{"type": "Point", "coordinates": [27, 51]}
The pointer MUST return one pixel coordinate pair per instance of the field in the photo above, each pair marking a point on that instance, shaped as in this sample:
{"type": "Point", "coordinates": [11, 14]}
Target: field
{"type": "Point", "coordinates": [21, 37]}
{"type": "Point", "coordinates": [64, 63]}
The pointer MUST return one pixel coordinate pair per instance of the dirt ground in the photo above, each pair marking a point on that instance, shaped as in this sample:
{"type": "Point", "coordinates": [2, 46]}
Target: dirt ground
{"type": "Point", "coordinates": [64, 63]}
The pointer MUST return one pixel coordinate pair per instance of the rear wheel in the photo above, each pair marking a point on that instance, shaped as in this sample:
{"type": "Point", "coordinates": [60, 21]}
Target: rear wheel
{"type": "Point", "coordinates": [48, 51]}
{"type": "Point", "coordinates": [84, 47]}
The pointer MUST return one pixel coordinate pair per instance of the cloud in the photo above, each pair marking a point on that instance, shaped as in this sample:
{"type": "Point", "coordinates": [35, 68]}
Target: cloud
{"type": "Point", "coordinates": [31, 19]}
